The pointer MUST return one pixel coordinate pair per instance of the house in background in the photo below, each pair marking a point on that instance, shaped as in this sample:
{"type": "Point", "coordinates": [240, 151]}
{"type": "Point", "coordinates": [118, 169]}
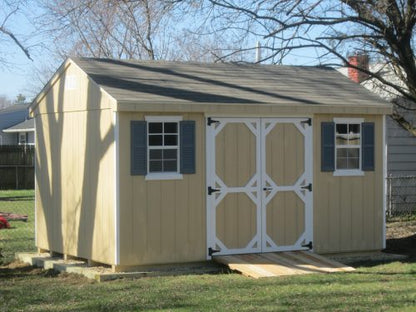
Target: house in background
{"type": "Point", "coordinates": [15, 127]}
{"type": "Point", "coordinates": [142, 163]}
{"type": "Point", "coordinates": [401, 144]}
{"type": "Point", "coordinates": [23, 132]}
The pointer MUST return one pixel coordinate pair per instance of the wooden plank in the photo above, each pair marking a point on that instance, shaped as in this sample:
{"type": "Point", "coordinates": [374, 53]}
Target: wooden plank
{"type": "Point", "coordinates": [281, 263]}
{"type": "Point", "coordinates": [238, 264]}
{"type": "Point", "coordinates": [273, 267]}
{"type": "Point", "coordinates": [331, 262]}
{"type": "Point", "coordinates": [313, 263]}
{"type": "Point", "coordinates": [300, 264]}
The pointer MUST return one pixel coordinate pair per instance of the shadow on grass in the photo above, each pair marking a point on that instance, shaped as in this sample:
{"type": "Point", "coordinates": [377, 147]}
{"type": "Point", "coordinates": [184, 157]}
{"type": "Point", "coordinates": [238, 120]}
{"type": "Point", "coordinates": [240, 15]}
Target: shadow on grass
{"type": "Point", "coordinates": [19, 270]}
{"type": "Point", "coordinates": [405, 246]}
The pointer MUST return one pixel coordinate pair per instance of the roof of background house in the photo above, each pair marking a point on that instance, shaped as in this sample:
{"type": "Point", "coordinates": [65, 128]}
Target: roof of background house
{"type": "Point", "coordinates": [134, 81]}
{"type": "Point", "coordinates": [13, 115]}
{"type": "Point", "coordinates": [26, 126]}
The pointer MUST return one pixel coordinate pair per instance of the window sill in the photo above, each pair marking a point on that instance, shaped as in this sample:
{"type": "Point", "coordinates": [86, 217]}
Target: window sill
{"type": "Point", "coordinates": [164, 176]}
{"type": "Point", "coordinates": [348, 173]}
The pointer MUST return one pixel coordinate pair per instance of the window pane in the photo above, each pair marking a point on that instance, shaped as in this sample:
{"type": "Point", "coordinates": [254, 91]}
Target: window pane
{"type": "Point", "coordinates": [354, 128]}
{"type": "Point", "coordinates": [342, 128]}
{"type": "Point", "coordinates": [155, 166]}
{"type": "Point", "coordinates": [155, 154]}
{"type": "Point", "coordinates": [155, 127]}
{"type": "Point", "coordinates": [354, 139]}
{"type": "Point", "coordinates": [171, 140]}
{"type": "Point", "coordinates": [171, 154]}
{"type": "Point", "coordinates": [171, 127]}
{"type": "Point", "coordinates": [342, 139]}
{"type": "Point", "coordinates": [342, 152]}
{"type": "Point", "coordinates": [170, 165]}
{"type": "Point", "coordinates": [342, 163]}
{"type": "Point", "coordinates": [155, 140]}
{"type": "Point", "coordinates": [353, 152]}
{"type": "Point", "coordinates": [353, 163]}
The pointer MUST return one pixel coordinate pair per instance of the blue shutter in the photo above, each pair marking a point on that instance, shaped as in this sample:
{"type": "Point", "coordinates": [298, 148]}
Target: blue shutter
{"type": "Point", "coordinates": [367, 147]}
{"type": "Point", "coordinates": [187, 146]}
{"type": "Point", "coordinates": [138, 134]}
{"type": "Point", "coordinates": [327, 146]}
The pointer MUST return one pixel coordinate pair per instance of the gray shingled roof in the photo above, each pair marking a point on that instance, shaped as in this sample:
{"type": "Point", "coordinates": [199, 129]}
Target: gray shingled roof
{"type": "Point", "coordinates": [174, 82]}
{"type": "Point", "coordinates": [13, 115]}
{"type": "Point", "coordinates": [27, 125]}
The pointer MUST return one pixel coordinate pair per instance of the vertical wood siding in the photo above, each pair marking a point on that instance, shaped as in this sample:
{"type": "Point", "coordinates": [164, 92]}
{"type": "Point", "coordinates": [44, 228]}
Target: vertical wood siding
{"type": "Point", "coordinates": [75, 179]}
{"type": "Point", "coordinates": [162, 221]}
{"type": "Point", "coordinates": [348, 211]}
{"type": "Point", "coordinates": [235, 162]}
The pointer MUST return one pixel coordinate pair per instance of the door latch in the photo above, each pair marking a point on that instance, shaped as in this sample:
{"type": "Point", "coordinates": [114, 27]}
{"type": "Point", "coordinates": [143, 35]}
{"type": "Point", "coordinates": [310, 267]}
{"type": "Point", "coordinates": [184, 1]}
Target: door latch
{"type": "Point", "coordinates": [307, 187]}
{"type": "Point", "coordinates": [212, 190]}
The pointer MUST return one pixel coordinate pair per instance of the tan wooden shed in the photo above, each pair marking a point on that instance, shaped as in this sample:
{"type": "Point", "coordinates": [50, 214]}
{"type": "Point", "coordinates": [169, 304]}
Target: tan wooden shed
{"type": "Point", "coordinates": [161, 162]}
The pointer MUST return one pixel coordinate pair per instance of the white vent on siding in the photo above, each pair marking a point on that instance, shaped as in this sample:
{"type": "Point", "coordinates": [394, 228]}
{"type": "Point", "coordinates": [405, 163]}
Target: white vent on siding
{"type": "Point", "coordinates": [70, 82]}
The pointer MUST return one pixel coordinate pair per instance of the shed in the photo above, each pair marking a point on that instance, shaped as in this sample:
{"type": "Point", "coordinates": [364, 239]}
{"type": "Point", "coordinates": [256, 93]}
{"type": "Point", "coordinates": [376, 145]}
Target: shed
{"type": "Point", "coordinates": [142, 163]}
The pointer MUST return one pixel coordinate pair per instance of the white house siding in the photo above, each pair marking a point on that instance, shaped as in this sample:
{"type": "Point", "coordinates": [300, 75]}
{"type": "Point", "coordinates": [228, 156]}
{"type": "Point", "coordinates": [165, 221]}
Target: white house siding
{"type": "Point", "coordinates": [401, 158]}
{"type": "Point", "coordinates": [31, 138]}
{"type": "Point", "coordinates": [8, 138]}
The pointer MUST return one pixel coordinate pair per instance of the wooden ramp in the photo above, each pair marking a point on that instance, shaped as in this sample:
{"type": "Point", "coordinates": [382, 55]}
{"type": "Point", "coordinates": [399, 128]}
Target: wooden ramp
{"type": "Point", "coordinates": [281, 263]}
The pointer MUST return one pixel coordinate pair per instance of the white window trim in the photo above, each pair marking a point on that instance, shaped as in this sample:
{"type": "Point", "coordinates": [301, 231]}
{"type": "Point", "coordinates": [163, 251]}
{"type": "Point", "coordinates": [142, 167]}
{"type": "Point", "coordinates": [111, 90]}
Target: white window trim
{"type": "Point", "coordinates": [163, 175]}
{"type": "Point", "coordinates": [348, 172]}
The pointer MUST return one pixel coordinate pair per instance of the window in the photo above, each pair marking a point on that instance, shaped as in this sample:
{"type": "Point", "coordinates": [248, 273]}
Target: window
{"type": "Point", "coordinates": [22, 138]}
{"type": "Point", "coordinates": [348, 146]}
{"type": "Point", "coordinates": [163, 147]}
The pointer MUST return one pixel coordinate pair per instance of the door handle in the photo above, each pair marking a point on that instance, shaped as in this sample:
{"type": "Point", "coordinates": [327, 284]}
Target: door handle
{"type": "Point", "coordinates": [267, 188]}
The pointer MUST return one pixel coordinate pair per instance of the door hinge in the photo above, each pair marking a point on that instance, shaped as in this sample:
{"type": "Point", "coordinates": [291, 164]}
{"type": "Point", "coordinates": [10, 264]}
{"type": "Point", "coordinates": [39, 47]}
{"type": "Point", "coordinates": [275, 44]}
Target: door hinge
{"type": "Point", "coordinates": [210, 121]}
{"type": "Point", "coordinates": [211, 251]}
{"type": "Point", "coordinates": [309, 245]}
{"type": "Point", "coordinates": [307, 121]}
{"type": "Point", "coordinates": [307, 187]}
{"type": "Point", "coordinates": [212, 190]}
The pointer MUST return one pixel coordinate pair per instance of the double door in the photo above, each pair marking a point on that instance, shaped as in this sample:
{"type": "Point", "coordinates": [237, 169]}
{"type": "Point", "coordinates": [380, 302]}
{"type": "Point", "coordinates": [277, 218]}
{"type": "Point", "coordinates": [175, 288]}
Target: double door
{"type": "Point", "coordinates": [259, 177]}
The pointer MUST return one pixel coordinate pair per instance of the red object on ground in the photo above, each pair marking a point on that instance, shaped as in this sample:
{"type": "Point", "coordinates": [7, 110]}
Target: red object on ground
{"type": "Point", "coordinates": [13, 216]}
{"type": "Point", "coordinates": [4, 224]}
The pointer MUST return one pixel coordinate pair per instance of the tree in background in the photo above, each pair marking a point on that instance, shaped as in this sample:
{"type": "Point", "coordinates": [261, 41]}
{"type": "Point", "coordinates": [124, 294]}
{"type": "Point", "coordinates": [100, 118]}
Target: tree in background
{"type": "Point", "coordinates": [4, 102]}
{"type": "Point", "coordinates": [8, 9]}
{"type": "Point", "coordinates": [128, 29]}
{"type": "Point", "coordinates": [327, 29]}
{"type": "Point", "coordinates": [20, 99]}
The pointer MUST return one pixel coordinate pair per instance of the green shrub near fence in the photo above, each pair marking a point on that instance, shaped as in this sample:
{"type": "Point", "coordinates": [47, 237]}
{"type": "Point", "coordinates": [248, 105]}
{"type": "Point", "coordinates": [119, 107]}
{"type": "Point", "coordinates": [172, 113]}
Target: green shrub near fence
{"type": "Point", "coordinates": [21, 236]}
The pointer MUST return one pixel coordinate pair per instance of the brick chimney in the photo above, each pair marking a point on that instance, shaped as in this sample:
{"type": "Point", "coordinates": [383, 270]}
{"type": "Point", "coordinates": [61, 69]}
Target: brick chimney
{"type": "Point", "coordinates": [361, 61]}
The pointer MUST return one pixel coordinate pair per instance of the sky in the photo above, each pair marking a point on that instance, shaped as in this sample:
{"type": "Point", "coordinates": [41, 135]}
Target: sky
{"type": "Point", "coordinates": [17, 72]}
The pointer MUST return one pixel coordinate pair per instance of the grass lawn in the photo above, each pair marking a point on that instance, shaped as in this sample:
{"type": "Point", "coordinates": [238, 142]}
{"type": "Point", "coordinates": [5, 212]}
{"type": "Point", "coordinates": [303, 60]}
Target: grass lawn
{"type": "Point", "coordinates": [373, 287]}
{"type": "Point", "coordinates": [385, 287]}
{"type": "Point", "coordinates": [20, 237]}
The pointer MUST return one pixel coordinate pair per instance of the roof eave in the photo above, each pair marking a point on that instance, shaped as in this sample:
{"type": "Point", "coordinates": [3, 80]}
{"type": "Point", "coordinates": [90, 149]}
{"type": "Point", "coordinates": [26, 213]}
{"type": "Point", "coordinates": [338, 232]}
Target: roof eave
{"type": "Point", "coordinates": [19, 130]}
{"type": "Point", "coordinates": [268, 108]}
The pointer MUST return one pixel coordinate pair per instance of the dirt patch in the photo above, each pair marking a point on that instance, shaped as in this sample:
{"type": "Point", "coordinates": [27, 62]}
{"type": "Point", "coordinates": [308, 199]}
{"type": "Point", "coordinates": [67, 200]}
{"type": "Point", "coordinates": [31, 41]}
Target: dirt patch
{"type": "Point", "coordinates": [401, 238]}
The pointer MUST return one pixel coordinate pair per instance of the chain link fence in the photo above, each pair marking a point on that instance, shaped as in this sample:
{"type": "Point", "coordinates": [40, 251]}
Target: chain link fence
{"type": "Point", "coordinates": [17, 232]}
{"type": "Point", "coordinates": [401, 196]}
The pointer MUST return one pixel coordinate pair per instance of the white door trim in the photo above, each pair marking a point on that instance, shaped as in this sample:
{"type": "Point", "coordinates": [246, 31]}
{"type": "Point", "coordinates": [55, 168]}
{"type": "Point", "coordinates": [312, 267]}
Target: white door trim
{"type": "Point", "coordinates": [254, 188]}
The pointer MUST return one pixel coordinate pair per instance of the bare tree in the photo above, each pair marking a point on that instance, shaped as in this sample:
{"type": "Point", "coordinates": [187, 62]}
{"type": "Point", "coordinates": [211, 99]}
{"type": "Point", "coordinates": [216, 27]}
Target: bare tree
{"type": "Point", "coordinates": [123, 29]}
{"type": "Point", "coordinates": [327, 29]}
{"type": "Point", "coordinates": [8, 9]}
